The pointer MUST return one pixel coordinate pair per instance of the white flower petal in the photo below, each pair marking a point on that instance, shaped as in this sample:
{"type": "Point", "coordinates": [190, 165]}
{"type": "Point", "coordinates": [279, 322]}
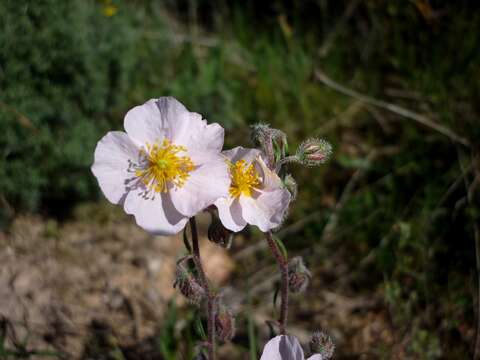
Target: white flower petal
{"type": "Point", "coordinates": [230, 214]}
{"type": "Point", "coordinates": [167, 117]}
{"type": "Point", "coordinates": [151, 123]}
{"type": "Point", "coordinates": [200, 136]}
{"type": "Point", "coordinates": [283, 347]}
{"type": "Point", "coordinates": [145, 123]}
{"type": "Point", "coordinates": [208, 182]}
{"type": "Point", "coordinates": [270, 179]}
{"type": "Point", "coordinates": [241, 153]}
{"type": "Point", "coordinates": [265, 209]}
{"type": "Point", "coordinates": [111, 161]}
{"type": "Point", "coordinates": [182, 123]}
{"type": "Point", "coordinates": [158, 215]}
{"type": "Point", "coordinates": [316, 357]}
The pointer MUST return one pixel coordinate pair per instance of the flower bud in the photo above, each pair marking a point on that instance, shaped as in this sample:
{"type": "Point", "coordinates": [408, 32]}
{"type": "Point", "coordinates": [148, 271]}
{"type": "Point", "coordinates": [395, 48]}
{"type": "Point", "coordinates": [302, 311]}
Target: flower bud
{"type": "Point", "coordinates": [219, 234]}
{"type": "Point", "coordinates": [298, 275]}
{"type": "Point", "coordinates": [260, 132]}
{"type": "Point", "coordinates": [322, 344]}
{"type": "Point", "coordinates": [291, 185]}
{"type": "Point", "coordinates": [188, 285]}
{"type": "Point", "coordinates": [313, 152]}
{"type": "Point", "coordinates": [273, 142]}
{"type": "Point", "coordinates": [224, 323]}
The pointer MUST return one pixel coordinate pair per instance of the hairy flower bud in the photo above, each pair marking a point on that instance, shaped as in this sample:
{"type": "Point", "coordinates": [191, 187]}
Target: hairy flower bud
{"type": "Point", "coordinates": [273, 142]}
{"type": "Point", "coordinates": [224, 323]}
{"type": "Point", "coordinates": [313, 152]}
{"type": "Point", "coordinates": [188, 285]}
{"type": "Point", "coordinates": [260, 132]}
{"type": "Point", "coordinates": [322, 344]}
{"type": "Point", "coordinates": [298, 275]}
{"type": "Point", "coordinates": [219, 234]}
{"type": "Point", "coordinates": [291, 185]}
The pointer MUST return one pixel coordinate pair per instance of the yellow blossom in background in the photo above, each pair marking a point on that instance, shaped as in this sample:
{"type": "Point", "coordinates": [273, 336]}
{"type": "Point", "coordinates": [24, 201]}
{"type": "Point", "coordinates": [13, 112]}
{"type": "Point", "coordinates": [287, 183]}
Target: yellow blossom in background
{"type": "Point", "coordinates": [109, 9]}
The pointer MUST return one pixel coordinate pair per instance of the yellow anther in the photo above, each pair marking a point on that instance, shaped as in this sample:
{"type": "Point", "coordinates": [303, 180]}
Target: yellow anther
{"type": "Point", "coordinates": [244, 179]}
{"type": "Point", "coordinates": [164, 166]}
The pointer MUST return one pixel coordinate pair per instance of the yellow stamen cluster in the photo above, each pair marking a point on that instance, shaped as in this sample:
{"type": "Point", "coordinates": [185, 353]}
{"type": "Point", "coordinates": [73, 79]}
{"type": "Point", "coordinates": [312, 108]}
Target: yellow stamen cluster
{"type": "Point", "coordinates": [244, 179]}
{"type": "Point", "coordinates": [163, 165]}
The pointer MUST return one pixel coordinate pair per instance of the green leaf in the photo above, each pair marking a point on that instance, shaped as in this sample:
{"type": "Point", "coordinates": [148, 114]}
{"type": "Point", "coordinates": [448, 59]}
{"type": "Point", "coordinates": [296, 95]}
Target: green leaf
{"type": "Point", "coordinates": [199, 327]}
{"type": "Point", "coordinates": [186, 241]}
{"type": "Point", "coordinates": [282, 247]}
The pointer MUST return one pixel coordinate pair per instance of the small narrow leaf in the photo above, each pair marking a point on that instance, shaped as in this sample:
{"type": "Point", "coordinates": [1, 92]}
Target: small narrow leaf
{"type": "Point", "coordinates": [282, 247]}
{"type": "Point", "coordinates": [186, 241]}
{"type": "Point", "coordinates": [199, 327]}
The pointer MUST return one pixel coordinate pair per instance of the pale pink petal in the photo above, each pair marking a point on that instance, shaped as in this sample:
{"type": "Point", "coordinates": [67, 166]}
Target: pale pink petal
{"type": "Point", "coordinates": [283, 347]}
{"type": "Point", "coordinates": [182, 123]}
{"type": "Point", "coordinates": [146, 124]}
{"type": "Point", "coordinates": [201, 136]}
{"type": "Point", "coordinates": [230, 214]}
{"type": "Point", "coordinates": [278, 200]}
{"type": "Point", "coordinates": [265, 209]}
{"type": "Point", "coordinates": [208, 182]}
{"type": "Point", "coordinates": [111, 161]}
{"type": "Point", "coordinates": [316, 357]}
{"type": "Point", "coordinates": [156, 215]}
{"type": "Point", "coordinates": [187, 128]}
{"type": "Point", "coordinates": [270, 179]}
{"type": "Point", "coordinates": [241, 153]}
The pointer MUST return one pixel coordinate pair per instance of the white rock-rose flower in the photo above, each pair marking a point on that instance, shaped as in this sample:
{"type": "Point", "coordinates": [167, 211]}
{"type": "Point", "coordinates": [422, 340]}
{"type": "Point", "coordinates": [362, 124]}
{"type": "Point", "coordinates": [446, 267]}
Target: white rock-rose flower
{"type": "Point", "coordinates": [286, 347]}
{"type": "Point", "coordinates": [256, 195]}
{"type": "Point", "coordinates": [165, 168]}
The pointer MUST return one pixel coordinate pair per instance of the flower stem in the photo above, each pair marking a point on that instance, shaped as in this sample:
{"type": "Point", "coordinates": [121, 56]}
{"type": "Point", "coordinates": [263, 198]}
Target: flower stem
{"type": "Point", "coordinates": [204, 283]}
{"type": "Point", "coordinates": [283, 265]}
{"type": "Point", "coordinates": [285, 160]}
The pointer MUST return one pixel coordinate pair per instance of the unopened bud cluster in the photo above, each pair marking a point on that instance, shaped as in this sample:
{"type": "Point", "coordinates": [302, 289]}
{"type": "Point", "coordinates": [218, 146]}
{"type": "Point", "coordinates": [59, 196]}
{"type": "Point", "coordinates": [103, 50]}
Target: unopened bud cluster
{"type": "Point", "coordinates": [272, 141]}
{"type": "Point", "coordinates": [314, 152]}
{"type": "Point", "coordinates": [259, 132]}
{"type": "Point", "coordinates": [187, 283]}
{"type": "Point", "coordinates": [224, 323]}
{"type": "Point", "coordinates": [322, 344]}
{"type": "Point", "coordinates": [298, 275]}
{"type": "Point", "coordinates": [262, 133]}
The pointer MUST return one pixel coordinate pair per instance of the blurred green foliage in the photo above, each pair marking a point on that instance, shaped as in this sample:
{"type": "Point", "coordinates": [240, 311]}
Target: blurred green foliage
{"type": "Point", "coordinates": [69, 71]}
{"type": "Point", "coordinates": [64, 68]}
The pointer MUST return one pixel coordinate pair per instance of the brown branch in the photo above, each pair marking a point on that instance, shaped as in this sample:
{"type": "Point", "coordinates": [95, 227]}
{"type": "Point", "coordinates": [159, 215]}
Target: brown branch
{"type": "Point", "coordinates": [421, 119]}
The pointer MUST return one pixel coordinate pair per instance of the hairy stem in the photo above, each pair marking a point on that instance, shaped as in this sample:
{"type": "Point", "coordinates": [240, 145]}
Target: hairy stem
{"type": "Point", "coordinates": [204, 283]}
{"type": "Point", "coordinates": [285, 160]}
{"type": "Point", "coordinates": [283, 265]}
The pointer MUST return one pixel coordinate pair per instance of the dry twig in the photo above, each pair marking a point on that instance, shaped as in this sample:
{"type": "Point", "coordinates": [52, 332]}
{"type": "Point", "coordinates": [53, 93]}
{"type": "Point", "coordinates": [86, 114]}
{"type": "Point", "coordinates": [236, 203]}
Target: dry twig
{"type": "Point", "coordinates": [421, 119]}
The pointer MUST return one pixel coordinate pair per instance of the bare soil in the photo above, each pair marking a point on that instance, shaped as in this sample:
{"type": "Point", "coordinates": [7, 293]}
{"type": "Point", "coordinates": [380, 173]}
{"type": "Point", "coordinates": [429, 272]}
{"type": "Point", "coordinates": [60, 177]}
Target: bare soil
{"type": "Point", "coordinates": [64, 286]}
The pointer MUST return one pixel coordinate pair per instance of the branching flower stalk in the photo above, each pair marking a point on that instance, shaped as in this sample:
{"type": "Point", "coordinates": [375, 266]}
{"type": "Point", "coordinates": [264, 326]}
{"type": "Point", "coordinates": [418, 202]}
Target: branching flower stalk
{"type": "Point", "coordinates": [209, 294]}
{"type": "Point", "coordinates": [168, 166]}
{"type": "Point", "coordinates": [311, 152]}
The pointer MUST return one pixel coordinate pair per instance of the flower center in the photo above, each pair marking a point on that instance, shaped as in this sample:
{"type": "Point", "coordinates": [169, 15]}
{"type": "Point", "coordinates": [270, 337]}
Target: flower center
{"type": "Point", "coordinates": [244, 179]}
{"type": "Point", "coordinates": [163, 166]}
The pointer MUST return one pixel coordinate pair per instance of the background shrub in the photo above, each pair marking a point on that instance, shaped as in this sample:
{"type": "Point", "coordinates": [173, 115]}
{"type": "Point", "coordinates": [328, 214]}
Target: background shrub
{"type": "Point", "coordinates": [69, 72]}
